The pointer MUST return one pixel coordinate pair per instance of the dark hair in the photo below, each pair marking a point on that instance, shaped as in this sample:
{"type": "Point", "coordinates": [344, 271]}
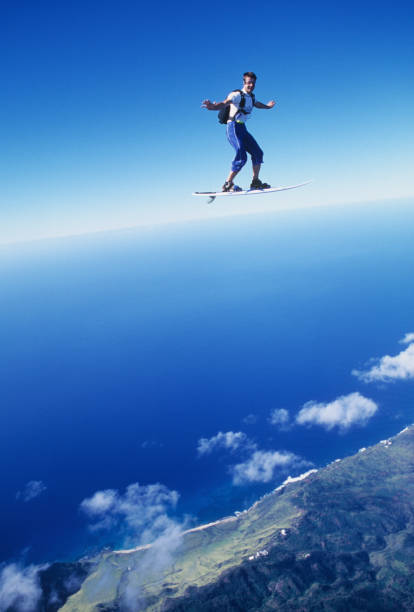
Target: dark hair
{"type": "Point", "coordinates": [250, 75]}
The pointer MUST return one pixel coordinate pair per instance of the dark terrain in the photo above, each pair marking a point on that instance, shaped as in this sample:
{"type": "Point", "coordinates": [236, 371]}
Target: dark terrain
{"type": "Point", "coordinates": [341, 539]}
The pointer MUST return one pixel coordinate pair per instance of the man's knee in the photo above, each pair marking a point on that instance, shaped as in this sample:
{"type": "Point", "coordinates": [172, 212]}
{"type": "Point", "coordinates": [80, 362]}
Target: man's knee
{"type": "Point", "coordinates": [257, 156]}
{"type": "Point", "coordinates": [238, 163]}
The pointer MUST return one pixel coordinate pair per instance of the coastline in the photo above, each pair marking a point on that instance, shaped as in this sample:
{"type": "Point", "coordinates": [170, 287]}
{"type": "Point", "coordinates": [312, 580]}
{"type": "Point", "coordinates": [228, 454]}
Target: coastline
{"type": "Point", "coordinates": [227, 519]}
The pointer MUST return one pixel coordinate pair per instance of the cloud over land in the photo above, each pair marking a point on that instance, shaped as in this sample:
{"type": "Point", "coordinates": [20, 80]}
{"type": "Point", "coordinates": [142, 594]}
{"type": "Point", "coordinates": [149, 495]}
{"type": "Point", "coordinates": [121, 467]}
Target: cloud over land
{"type": "Point", "coordinates": [141, 516]}
{"type": "Point", "coordinates": [19, 587]}
{"type": "Point", "coordinates": [142, 510]}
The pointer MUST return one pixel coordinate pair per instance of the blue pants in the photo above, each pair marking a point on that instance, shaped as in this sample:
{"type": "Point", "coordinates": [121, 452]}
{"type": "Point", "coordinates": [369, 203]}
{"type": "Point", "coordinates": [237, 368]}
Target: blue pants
{"type": "Point", "coordinates": [244, 143]}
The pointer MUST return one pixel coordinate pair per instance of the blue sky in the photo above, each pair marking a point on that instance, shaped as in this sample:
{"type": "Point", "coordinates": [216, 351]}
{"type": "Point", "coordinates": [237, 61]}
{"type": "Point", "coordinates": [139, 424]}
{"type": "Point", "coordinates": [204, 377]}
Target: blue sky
{"type": "Point", "coordinates": [102, 125]}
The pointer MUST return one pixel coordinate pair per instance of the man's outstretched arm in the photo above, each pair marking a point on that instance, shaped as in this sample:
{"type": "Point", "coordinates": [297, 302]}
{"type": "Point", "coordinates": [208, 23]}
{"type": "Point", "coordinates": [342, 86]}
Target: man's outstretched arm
{"type": "Point", "coordinates": [261, 105]}
{"type": "Point", "coordinates": [215, 105]}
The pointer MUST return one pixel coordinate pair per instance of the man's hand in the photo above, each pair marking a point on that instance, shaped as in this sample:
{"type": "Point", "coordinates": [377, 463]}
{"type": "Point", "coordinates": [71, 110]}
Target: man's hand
{"type": "Point", "coordinates": [208, 105]}
{"type": "Point", "coordinates": [215, 105]}
{"type": "Point", "coordinates": [268, 105]}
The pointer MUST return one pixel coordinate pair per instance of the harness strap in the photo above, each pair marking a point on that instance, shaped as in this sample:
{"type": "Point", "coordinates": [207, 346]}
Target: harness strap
{"type": "Point", "coordinates": [242, 104]}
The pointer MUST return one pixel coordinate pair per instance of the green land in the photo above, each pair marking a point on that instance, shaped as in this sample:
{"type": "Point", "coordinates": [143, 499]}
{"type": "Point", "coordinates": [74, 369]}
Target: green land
{"type": "Point", "coordinates": [340, 539]}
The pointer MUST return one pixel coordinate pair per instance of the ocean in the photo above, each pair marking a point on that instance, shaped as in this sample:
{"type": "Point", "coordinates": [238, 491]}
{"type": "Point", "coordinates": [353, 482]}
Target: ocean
{"type": "Point", "coordinates": [121, 350]}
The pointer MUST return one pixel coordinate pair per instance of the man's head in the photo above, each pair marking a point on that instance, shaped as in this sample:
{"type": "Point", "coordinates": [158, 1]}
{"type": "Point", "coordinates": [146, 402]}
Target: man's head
{"type": "Point", "coordinates": [249, 80]}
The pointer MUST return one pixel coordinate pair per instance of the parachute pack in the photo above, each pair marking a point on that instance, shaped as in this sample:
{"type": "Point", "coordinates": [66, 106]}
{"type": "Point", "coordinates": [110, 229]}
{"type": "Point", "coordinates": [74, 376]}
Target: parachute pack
{"type": "Point", "coordinates": [224, 113]}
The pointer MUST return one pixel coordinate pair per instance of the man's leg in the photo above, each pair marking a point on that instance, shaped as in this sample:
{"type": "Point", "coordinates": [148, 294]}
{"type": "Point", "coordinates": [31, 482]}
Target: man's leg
{"type": "Point", "coordinates": [235, 135]}
{"type": "Point", "coordinates": [257, 159]}
{"type": "Point", "coordinates": [232, 175]}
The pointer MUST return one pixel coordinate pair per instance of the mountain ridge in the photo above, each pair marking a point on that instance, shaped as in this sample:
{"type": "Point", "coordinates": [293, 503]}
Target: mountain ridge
{"type": "Point", "coordinates": [338, 538]}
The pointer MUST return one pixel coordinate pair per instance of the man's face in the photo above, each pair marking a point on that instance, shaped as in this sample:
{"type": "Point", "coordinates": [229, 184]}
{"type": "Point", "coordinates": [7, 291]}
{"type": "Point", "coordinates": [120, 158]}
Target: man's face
{"type": "Point", "coordinates": [249, 84]}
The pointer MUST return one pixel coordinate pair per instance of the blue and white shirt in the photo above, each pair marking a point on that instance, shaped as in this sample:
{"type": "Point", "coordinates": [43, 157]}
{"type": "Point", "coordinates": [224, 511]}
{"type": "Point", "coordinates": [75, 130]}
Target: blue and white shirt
{"type": "Point", "coordinates": [235, 97]}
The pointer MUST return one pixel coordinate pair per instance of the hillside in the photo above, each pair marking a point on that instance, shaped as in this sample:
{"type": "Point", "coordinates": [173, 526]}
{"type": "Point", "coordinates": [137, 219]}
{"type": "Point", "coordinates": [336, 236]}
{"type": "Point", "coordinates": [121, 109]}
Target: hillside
{"type": "Point", "coordinates": [342, 538]}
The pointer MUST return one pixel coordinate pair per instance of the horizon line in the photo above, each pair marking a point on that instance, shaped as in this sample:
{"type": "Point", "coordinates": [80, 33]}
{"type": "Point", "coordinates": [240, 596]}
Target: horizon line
{"type": "Point", "coordinates": [194, 219]}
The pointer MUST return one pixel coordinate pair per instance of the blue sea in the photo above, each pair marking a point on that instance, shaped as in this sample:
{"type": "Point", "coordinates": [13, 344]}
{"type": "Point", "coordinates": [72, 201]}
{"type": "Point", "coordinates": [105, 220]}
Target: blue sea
{"type": "Point", "coordinates": [120, 350]}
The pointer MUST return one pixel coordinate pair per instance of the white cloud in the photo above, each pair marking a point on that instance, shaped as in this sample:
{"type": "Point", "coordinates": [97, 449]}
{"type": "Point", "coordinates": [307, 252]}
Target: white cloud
{"type": "Point", "coordinates": [262, 465]}
{"type": "Point", "coordinates": [387, 368]}
{"type": "Point", "coordinates": [347, 410]}
{"type": "Point", "coordinates": [100, 502]}
{"type": "Point", "coordinates": [280, 418]}
{"type": "Point", "coordinates": [141, 516]}
{"type": "Point", "coordinates": [250, 419]}
{"type": "Point", "coordinates": [229, 441]}
{"type": "Point", "coordinates": [19, 588]}
{"type": "Point", "coordinates": [141, 511]}
{"type": "Point", "coordinates": [31, 490]}
{"type": "Point", "coordinates": [158, 557]}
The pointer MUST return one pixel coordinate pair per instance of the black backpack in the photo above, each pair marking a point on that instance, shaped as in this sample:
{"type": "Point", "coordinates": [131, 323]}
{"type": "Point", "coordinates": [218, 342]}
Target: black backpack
{"type": "Point", "coordinates": [223, 115]}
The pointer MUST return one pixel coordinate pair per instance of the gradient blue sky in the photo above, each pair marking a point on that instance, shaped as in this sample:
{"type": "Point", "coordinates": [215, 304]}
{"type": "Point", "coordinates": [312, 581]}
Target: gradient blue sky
{"type": "Point", "coordinates": [102, 125]}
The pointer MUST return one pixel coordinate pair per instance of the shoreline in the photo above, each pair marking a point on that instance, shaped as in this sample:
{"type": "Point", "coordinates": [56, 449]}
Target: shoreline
{"type": "Point", "coordinates": [128, 551]}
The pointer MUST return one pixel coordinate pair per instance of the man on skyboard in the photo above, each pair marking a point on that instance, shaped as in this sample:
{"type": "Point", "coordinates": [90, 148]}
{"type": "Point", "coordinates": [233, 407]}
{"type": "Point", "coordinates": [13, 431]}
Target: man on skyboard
{"type": "Point", "coordinates": [240, 104]}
